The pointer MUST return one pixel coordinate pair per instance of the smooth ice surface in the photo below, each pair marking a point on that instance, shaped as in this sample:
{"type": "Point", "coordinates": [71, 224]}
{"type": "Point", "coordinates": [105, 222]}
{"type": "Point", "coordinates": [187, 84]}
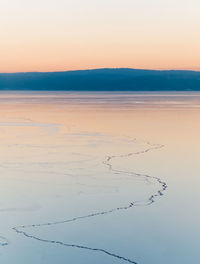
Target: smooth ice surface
{"type": "Point", "coordinates": [99, 178]}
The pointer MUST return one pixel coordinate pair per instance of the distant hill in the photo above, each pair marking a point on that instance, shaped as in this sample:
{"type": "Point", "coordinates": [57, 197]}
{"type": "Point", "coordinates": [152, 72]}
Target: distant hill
{"type": "Point", "coordinates": [103, 80]}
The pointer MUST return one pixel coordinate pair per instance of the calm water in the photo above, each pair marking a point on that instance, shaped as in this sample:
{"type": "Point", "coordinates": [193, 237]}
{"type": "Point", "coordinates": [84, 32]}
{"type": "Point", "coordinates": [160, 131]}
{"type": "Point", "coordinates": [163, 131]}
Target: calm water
{"type": "Point", "coordinates": [99, 178]}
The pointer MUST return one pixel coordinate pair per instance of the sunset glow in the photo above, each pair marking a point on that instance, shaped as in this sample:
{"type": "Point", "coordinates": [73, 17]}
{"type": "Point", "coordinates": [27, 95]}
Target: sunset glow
{"type": "Point", "coordinates": [68, 35]}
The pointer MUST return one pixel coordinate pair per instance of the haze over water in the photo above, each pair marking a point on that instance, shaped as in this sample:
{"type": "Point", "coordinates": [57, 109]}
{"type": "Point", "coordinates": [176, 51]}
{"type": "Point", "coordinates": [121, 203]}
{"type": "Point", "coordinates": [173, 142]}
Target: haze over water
{"type": "Point", "coordinates": [99, 178]}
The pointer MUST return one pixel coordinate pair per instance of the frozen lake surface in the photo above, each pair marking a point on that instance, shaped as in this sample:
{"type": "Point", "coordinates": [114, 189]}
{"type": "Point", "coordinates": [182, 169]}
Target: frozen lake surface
{"type": "Point", "coordinates": [104, 178]}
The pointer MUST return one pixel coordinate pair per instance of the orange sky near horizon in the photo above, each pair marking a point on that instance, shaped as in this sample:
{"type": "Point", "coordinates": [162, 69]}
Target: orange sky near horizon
{"type": "Point", "coordinates": [57, 35]}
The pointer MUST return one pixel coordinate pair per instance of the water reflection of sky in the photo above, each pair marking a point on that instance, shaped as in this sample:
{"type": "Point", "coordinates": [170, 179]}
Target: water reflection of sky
{"type": "Point", "coordinates": [54, 168]}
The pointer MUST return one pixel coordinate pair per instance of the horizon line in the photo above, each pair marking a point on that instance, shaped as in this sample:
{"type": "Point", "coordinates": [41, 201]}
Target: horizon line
{"type": "Point", "coordinates": [105, 68]}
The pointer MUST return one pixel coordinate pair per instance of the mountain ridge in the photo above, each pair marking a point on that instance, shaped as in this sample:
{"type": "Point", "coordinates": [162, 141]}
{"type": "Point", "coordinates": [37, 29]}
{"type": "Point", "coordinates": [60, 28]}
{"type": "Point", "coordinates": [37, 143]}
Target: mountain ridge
{"type": "Point", "coordinates": [105, 79]}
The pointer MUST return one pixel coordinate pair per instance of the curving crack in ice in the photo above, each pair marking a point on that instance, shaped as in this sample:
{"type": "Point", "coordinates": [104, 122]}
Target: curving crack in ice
{"type": "Point", "coordinates": [162, 183]}
{"type": "Point", "coordinates": [107, 162]}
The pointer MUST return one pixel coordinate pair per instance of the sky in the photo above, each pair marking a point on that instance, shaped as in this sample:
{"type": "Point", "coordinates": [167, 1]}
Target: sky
{"type": "Point", "coordinates": [58, 35]}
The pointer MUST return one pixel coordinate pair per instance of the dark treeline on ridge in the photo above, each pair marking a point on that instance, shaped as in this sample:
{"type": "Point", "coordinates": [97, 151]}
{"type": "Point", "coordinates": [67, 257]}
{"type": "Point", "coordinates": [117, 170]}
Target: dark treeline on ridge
{"type": "Point", "coordinates": [103, 80]}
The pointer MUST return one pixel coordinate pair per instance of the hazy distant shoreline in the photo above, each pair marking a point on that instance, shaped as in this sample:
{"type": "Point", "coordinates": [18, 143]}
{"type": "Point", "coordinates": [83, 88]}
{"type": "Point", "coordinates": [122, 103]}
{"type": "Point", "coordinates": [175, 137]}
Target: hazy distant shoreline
{"type": "Point", "coordinates": [103, 80]}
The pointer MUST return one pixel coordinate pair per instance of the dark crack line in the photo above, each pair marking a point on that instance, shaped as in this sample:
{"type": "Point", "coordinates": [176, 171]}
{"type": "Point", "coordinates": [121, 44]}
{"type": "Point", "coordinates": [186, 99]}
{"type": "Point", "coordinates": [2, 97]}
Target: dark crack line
{"type": "Point", "coordinates": [162, 183]}
{"type": "Point", "coordinates": [75, 246]}
{"type": "Point", "coordinates": [107, 162]}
